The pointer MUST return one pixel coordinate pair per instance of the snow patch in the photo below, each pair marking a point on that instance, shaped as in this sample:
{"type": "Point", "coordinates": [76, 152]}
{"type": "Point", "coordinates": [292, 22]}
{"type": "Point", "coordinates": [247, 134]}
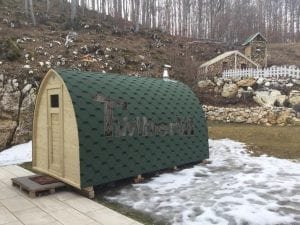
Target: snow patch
{"type": "Point", "coordinates": [16, 154]}
{"type": "Point", "coordinates": [236, 188]}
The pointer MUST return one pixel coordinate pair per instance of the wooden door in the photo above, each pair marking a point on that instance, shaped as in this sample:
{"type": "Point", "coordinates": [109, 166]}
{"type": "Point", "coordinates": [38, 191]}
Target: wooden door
{"type": "Point", "coordinates": [55, 132]}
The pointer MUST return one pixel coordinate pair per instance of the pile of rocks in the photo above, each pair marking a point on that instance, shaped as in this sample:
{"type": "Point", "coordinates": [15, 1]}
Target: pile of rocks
{"type": "Point", "coordinates": [265, 92]}
{"type": "Point", "coordinates": [254, 115]}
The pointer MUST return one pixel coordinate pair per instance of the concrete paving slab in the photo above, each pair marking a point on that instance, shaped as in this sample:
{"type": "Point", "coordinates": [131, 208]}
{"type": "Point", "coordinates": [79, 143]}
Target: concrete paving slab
{"type": "Point", "coordinates": [54, 223]}
{"type": "Point", "coordinates": [6, 192]}
{"type": "Point", "coordinates": [2, 184]}
{"type": "Point", "coordinates": [15, 223]}
{"type": "Point", "coordinates": [71, 216]}
{"type": "Point", "coordinates": [5, 174]}
{"type": "Point", "coordinates": [61, 208]}
{"type": "Point", "coordinates": [84, 205]}
{"type": "Point", "coordinates": [17, 203]}
{"type": "Point", "coordinates": [34, 216]}
{"type": "Point", "coordinates": [6, 216]}
{"type": "Point", "coordinates": [49, 203]}
{"type": "Point", "coordinates": [109, 217]}
{"type": "Point", "coordinates": [17, 171]}
{"type": "Point", "coordinates": [66, 195]}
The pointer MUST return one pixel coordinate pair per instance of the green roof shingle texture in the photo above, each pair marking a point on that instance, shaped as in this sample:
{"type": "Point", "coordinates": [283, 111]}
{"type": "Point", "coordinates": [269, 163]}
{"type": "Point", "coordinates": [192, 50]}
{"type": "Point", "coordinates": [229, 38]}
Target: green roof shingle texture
{"type": "Point", "coordinates": [109, 158]}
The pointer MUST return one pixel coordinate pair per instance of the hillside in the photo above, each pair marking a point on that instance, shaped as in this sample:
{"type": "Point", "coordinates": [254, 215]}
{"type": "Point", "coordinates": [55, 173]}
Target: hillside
{"type": "Point", "coordinates": [284, 54]}
{"type": "Point", "coordinates": [101, 43]}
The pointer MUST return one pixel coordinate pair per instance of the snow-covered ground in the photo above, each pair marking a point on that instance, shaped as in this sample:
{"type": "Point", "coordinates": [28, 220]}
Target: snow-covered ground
{"type": "Point", "coordinates": [236, 188]}
{"type": "Point", "coordinates": [16, 154]}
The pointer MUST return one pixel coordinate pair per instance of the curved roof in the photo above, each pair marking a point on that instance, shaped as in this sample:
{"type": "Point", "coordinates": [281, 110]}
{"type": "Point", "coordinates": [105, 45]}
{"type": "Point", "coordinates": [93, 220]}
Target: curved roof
{"type": "Point", "coordinates": [158, 116]}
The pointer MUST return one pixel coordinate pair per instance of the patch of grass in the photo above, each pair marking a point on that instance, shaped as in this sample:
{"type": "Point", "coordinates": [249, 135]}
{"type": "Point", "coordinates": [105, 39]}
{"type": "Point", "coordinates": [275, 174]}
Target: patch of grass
{"type": "Point", "coordinates": [281, 142]}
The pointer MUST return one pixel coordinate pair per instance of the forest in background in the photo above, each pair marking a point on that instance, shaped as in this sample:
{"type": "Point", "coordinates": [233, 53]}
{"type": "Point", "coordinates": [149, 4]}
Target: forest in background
{"type": "Point", "coordinates": [220, 20]}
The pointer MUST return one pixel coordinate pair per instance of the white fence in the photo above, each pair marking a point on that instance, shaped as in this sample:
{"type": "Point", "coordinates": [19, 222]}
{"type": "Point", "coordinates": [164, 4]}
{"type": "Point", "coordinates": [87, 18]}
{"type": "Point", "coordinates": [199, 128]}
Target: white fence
{"type": "Point", "coordinates": [283, 72]}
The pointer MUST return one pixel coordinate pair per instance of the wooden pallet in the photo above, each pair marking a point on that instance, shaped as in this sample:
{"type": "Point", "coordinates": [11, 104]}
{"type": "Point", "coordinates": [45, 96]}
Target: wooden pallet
{"type": "Point", "coordinates": [35, 189]}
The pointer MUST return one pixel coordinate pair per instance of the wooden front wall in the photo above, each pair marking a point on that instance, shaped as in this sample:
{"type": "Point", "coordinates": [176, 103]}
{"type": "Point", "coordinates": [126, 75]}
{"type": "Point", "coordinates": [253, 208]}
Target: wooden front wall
{"type": "Point", "coordinates": [55, 135]}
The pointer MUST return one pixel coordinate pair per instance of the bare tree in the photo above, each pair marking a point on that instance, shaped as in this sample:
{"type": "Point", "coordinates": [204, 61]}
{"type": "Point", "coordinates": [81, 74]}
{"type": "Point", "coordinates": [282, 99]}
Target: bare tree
{"type": "Point", "coordinates": [73, 10]}
{"type": "Point", "coordinates": [32, 13]}
{"type": "Point", "coordinates": [26, 8]}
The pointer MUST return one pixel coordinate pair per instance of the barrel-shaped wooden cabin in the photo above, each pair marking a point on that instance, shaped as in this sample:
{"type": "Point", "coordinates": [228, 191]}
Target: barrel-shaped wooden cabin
{"type": "Point", "coordinates": [93, 128]}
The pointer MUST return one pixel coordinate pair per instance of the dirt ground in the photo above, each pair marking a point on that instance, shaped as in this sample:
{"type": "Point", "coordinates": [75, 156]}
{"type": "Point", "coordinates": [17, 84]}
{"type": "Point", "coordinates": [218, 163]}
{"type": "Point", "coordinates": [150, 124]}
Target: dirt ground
{"type": "Point", "coordinates": [281, 142]}
{"type": "Point", "coordinates": [284, 54]}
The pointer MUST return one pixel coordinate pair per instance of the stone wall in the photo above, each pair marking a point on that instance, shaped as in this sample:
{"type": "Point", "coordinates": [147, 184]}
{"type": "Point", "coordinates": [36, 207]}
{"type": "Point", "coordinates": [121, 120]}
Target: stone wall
{"type": "Point", "coordinates": [261, 91]}
{"type": "Point", "coordinates": [16, 111]}
{"type": "Point", "coordinates": [217, 68]}
{"type": "Point", "coordinates": [268, 116]}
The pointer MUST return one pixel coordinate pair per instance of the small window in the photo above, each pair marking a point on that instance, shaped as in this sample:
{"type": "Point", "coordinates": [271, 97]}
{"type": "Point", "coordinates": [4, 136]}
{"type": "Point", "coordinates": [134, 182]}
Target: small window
{"type": "Point", "coordinates": [225, 65]}
{"type": "Point", "coordinates": [54, 101]}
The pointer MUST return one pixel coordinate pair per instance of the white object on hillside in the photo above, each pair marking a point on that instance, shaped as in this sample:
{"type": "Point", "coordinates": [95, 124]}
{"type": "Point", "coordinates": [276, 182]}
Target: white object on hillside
{"type": "Point", "coordinates": [272, 72]}
{"type": "Point", "coordinates": [236, 188]}
{"type": "Point", "coordinates": [166, 72]}
{"type": "Point", "coordinates": [16, 154]}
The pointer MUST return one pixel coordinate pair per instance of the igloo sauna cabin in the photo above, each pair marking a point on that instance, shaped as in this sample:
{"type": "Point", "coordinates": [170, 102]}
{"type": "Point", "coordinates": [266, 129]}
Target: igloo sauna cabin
{"type": "Point", "coordinates": [93, 128]}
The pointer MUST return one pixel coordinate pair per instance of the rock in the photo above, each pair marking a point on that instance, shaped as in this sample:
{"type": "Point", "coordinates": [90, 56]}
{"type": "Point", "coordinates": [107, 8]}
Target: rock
{"type": "Point", "coordinates": [240, 119]}
{"type": "Point", "coordinates": [220, 82]}
{"type": "Point", "coordinates": [266, 98]}
{"type": "Point", "coordinates": [229, 90]}
{"type": "Point", "coordinates": [239, 93]}
{"type": "Point", "coordinates": [294, 97]}
{"type": "Point", "coordinates": [289, 85]}
{"type": "Point", "coordinates": [284, 117]}
{"type": "Point", "coordinates": [296, 121]}
{"type": "Point", "coordinates": [205, 83]}
{"type": "Point", "coordinates": [41, 64]}
{"type": "Point", "coordinates": [7, 128]}
{"type": "Point", "coordinates": [9, 102]}
{"type": "Point", "coordinates": [1, 80]}
{"type": "Point", "coordinates": [297, 82]}
{"type": "Point", "coordinates": [142, 57]}
{"type": "Point", "coordinates": [26, 88]}
{"type": "Point", "coordinates": [281, 99]}
{"type": "Point", "coordinates": [26, 67]}
{"type": "Point", "coordinates": [24, 130]}
{"type": "Point", "coordinates": [246, 82]}
{"type": "Point", "coordinates": [272, 117]}
{"type": "Point", "coordinates": [260, 81]}
{"type": "Point", "coordinates": [267, 84]}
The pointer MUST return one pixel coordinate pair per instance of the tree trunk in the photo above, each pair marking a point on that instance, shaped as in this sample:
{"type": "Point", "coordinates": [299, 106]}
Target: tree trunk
{"type": "Point", "coordinates": [26, 8]}
{"type": "Point", "coordinates": [73, 10]}
{"type": "Point", "coordinates": [32, 13]}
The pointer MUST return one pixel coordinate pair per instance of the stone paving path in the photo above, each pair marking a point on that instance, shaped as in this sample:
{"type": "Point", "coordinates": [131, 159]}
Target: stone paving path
{"type": "Point", "coordinates": [66, 207]}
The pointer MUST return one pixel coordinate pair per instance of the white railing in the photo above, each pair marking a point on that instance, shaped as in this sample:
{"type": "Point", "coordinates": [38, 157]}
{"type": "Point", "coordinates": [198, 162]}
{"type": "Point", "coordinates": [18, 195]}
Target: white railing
{"type": "Point", "coordinates": [283, 72]}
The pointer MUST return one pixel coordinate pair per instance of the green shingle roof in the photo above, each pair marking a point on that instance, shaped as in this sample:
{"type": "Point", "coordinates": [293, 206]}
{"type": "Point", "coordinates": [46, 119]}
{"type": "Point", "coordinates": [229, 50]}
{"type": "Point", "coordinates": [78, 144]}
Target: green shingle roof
{"type": "Point", "coordinates": [250, 38]}
{"type": "Point", "coordinates": [109, 157]}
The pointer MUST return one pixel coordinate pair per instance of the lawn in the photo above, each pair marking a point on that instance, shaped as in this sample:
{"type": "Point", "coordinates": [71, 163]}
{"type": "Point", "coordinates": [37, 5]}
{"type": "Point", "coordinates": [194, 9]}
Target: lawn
{"type": "Point", "coordinates": [281, 142]}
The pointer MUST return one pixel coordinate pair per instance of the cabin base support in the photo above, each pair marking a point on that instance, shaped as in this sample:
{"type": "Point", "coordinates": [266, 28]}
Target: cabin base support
{"type": "Point", "coordinates": [206, 161]}
{"type": "Point", "coordinates": [138, 179]}
{"type": "Point", "coordinates": [88, 192]}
